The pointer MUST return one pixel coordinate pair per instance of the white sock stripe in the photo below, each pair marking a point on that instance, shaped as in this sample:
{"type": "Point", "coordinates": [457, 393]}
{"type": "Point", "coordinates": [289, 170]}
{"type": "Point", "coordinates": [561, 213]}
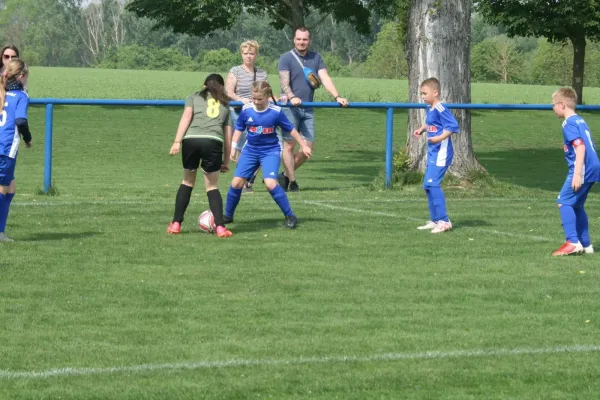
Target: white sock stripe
{"type": "Point", "coordinates": [71, 371]}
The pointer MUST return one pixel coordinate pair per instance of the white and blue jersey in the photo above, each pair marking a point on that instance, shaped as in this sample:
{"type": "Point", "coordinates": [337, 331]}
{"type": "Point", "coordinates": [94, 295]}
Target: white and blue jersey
{"type": "Point", "coordinates": [575, 133]}
{"type": "Point", "coordinates": [440, 119]}
{"type": "Point", "coordinates": [15, 107]}
{"type": "Point", "coordinates": [263, 145]}
{"type": "Point", "coordinates": [262, 126]}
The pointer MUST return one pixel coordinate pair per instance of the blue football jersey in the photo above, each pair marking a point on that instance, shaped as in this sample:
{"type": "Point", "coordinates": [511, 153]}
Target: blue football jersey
{"type": "Point", "coordinates": [440, 119]}
{"type": "Point", "coordinates": [575, 133]}
{"type": "Point", "coordinates": [15, 106]}
{"type": "Point", "coordinates": [262, 126]}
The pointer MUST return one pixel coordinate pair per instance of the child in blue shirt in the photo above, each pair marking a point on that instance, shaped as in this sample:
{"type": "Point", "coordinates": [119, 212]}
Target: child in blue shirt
{"type": "Point", "coordinates": [440, 124]}
{"type": "Point", "coordinates": [263, 148]}
{"type": "Point", "coordinates": [584, 171]}
{"type": "Point", "coordinates": [13, 124]}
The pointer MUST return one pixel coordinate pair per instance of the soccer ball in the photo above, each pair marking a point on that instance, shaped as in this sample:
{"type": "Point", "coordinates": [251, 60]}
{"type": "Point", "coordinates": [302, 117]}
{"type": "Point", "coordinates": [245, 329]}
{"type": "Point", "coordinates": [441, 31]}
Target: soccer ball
{"type": "Point", "coordinates": [206, 222]}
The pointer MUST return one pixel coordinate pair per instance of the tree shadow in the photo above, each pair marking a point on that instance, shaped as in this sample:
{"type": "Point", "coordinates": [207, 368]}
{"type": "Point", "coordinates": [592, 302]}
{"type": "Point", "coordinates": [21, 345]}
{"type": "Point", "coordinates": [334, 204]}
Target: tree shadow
{"type": "Point", "coordinates": [39, 237]}
{"type": "Point", "coordinates": [543, 168]}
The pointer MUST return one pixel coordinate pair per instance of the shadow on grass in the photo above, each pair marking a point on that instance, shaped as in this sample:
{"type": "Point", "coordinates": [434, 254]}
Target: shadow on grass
{"type": "Point", "coordinates": [543, 168]}
{"type": "Point", "coordinates": [256, 225]}
{"type": "Point", "coordinates": [469, 223]}
{"type": "Point", "coordinates": [39, 237]}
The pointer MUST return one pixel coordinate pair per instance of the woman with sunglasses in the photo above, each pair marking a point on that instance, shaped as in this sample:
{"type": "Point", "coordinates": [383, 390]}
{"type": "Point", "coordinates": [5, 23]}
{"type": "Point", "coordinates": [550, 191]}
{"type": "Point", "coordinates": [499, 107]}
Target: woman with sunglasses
{"type": "Point", "coordinates": [11, 52]}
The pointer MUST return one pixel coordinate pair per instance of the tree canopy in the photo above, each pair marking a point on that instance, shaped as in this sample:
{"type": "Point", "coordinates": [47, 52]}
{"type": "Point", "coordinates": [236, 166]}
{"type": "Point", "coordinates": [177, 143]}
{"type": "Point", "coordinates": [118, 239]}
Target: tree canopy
{"type": "Point", "coordinates": [557, 20]}
{"type": "Point", "coordinates": [203, 17]}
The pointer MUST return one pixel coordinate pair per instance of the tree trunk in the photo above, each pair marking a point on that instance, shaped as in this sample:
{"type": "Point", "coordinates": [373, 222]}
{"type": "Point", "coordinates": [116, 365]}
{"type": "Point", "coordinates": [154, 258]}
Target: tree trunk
{"type": "Point", "coordinates": [438, 41]}
{"type": "Point", "coordinates": [578, 65]}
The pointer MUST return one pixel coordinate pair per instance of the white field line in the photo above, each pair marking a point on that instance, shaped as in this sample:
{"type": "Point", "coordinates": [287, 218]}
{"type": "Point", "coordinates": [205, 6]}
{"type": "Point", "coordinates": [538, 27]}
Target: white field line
{"type": "Point", "coordinates": [192, 365]}
{"type": "Point", "coordinates": [258, 198]}
{"type": "Point", "coordinates": [253, 199]}
{"type": "Point", "coordinates": [410, 218]}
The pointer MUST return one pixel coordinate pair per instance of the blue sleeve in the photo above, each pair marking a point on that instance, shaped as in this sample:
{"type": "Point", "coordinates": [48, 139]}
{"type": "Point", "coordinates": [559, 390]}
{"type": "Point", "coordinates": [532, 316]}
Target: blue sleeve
{"type": "Point", "coordinates": [449, 123]}
{"type": "Point", "coordinates": [22, 105]}
{"type": "Point", "coordinates": [284, 122]}
{"type": "Point", "coordinates": [284, 62]}
{"type": "Point", "coordinates": [240, 124]}
{"type": "Point", "coordinates": [571, 132]}
{"type": "Point", "coordinates": [320, 63]}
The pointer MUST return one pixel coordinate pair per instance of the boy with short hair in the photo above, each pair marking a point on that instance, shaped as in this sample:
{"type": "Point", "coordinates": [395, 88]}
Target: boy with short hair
{"type": "Point", "coordinates": [440, 124]}
{"type": "Point", "coordinates": [584, 171]}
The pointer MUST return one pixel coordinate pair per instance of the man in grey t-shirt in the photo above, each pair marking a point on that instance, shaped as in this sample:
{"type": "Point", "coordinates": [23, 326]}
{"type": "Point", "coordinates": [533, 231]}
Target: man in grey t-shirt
{"type": "Point", "coordinates": [295, 86]}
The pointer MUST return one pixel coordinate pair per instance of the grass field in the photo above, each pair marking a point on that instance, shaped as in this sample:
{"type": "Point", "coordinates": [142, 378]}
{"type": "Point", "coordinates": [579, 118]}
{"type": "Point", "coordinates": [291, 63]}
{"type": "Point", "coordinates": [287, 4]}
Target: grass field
{"type": "Point", "coordinates": [98, 302]}
{"type": "Point", "coordinates": [129, 84]}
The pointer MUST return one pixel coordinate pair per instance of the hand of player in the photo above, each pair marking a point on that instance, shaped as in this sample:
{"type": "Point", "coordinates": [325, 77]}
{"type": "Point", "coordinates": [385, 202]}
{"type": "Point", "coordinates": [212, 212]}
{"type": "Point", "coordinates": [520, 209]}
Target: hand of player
{"type": "Point", "coordinates": [225, 167]}
{"type": "Point", "coordinates": [28, 144]}
{"type": "Point", "coordinates": [342, 101]}
{"type": "Point", "coordinates": [307, 151]}
{"type": "Point", "coordinates": [296, 101]}
{"type": "Point", "coordinates": [175, 148]}
{"type": "Point", "coordinates": [418, 132]}
{"type": "Point", "coordinates": [233, 156]}
{"type": "Point", "coordinates": [576, 182]}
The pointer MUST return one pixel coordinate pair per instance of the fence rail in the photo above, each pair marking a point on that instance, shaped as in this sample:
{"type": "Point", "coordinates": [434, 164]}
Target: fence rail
{"type": "Point", "coordinates": [389, 125]}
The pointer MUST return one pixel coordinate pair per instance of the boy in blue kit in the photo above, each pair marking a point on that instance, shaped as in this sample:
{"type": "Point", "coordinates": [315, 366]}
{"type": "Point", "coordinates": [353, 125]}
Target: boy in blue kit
{"type": "Point", "coordinates": [584, 171]}
{"type": "Point", "coordinates": [13, 124]}
{"type": "Point", "coordinates": [440, 124]}
{"type": "Point", "coordinates": [263, 148]}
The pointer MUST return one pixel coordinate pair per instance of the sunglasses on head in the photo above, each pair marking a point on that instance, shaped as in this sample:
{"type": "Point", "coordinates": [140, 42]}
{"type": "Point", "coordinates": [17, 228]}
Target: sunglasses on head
{"type": "Point", "coordinates": [8, 56]}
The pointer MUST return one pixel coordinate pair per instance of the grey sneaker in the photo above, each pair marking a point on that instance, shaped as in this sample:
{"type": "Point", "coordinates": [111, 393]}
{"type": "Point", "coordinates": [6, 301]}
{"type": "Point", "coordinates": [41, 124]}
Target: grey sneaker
{"type": "Point", "coordinates": [291, 222]}
{"type": "Point", "coordinates": [4, 238]}
{"type": "Point", "coordinates": [294, 187]}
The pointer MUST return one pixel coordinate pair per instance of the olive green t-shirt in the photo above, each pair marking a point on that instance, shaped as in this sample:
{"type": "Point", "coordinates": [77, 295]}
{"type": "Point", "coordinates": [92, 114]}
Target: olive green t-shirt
{"type": "Point", "coordinates": [209, 117]}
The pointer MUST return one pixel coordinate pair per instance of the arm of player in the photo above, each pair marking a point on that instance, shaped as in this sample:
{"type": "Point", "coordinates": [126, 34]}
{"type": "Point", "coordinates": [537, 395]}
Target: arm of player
{"type": "Point", "coordinates": [330, 87]}
{"type": "Point", "coordinates": [234, 141]}
{"type": "Point", "coordinates": [579, 160]}
{"type": "Point", "coordinates": [184, 124]}
{"type": "Point", "coordinates": [23, 128]}
{"type": "Point", "coordinates": [437, 139]}
{"type": "Point", "coordinates": [226, 148]}
{"type": "Point", "coordinates": [298, 138]}
{"type": "Point", "coordinates": [420, 130]}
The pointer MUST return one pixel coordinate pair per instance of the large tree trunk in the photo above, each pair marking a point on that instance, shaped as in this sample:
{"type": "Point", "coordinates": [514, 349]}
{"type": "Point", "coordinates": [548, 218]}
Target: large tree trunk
{"type": "Point", "coordinates": [438, 41]}
{"type": "Point", "coordinates": [578, 65]}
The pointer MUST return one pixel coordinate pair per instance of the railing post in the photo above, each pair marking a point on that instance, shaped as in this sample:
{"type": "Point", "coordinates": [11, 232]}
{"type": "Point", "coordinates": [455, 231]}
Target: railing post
{"type": "Point", "coordinates": [48, 148]}
{"type": "Point", "coordinates": [389, 147]}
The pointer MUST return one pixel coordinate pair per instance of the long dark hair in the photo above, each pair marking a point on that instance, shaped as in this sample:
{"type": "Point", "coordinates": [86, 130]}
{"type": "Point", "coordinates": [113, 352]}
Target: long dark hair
{"type": "Point", "coordinates": [8, 46]}
{"type": "Point", "coordinates": [215, 85]}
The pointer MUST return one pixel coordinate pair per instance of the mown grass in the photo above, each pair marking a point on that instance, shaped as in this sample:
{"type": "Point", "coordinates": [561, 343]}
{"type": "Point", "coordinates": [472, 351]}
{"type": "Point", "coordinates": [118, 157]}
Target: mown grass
{"type": "Point", "coordinates": [131, 84]}
{"type": "Point", "coordinates": [354, 304]}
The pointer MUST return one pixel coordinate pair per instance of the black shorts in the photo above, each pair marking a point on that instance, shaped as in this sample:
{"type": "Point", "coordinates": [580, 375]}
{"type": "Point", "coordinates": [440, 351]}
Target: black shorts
{"type": "Point", "coordinates": [209, 151]}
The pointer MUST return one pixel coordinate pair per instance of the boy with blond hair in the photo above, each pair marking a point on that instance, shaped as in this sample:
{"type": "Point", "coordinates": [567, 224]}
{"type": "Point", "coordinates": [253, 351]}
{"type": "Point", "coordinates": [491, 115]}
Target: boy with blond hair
{"type": "Point", "coordinates": [584, 171]}
{"type": "Point", "coordinates": [440, 124]}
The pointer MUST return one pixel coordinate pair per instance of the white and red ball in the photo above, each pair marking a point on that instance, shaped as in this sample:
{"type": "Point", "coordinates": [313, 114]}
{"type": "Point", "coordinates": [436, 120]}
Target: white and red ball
{"type": "Point", "coordinates": [206, 222]}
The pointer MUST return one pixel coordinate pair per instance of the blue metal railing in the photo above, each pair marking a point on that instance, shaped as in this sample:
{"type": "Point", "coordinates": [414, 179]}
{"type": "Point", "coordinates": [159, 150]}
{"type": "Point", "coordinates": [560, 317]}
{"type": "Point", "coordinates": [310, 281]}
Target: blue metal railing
{"type": "Point", "coordinates": [389, 107]}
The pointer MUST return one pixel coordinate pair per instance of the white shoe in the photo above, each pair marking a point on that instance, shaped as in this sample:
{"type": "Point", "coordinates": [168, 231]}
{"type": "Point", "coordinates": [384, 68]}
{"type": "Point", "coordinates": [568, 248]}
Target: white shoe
{"type": "Point", "coordinates": [588, 250]}
{"type": "Point", "coordinates": [442, 226]}
{"type": "Point", "coordinates": [7, 239]}
{"type": "Point", "coordinates": [428, 226]}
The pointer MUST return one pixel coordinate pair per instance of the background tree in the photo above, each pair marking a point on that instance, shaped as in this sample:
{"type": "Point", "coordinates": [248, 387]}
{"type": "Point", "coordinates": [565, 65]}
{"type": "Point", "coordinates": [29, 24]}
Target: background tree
{"type": "Point", "coordinates": [387, 58]}
{"type": "Point", "coordinates": [558, 21]}
{"type": "Point", "coordinates": [438, 38]}
{"type": "Point", "coordinates": [498, 59]}
{"type": "Point", "coordinates": [202, 17]}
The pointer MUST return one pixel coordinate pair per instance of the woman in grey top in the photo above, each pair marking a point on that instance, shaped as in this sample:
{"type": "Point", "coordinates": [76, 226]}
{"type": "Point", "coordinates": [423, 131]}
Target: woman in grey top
{"type": "Point", "coordinates": [239, 88]}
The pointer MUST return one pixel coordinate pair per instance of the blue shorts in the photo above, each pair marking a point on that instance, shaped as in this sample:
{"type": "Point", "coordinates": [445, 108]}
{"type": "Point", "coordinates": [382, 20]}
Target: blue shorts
{"type": "Point", "coordinates": [234, 117]}
{"type": "Point", "coordinates": [434, 176]}
{"type": "Point", "coordinates": [568, 197]}
{"type": "Point", "coordinates": [250, 159]}
{"type": "Point", "coordinates": [7, 170]}
{"type": "Point", "coordinates": [304, 121]}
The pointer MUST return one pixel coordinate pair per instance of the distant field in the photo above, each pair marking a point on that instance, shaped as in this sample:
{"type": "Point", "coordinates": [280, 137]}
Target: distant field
{"type": "Point", "coordinates": [128, 84]}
